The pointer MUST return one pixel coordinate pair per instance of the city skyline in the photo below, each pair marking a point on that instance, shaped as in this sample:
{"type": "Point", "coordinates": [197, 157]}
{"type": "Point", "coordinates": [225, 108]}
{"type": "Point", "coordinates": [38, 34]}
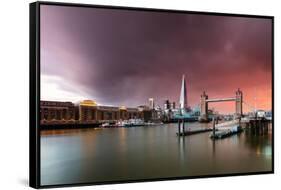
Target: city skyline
{"type": "Point", "coordinates": [147, 54]}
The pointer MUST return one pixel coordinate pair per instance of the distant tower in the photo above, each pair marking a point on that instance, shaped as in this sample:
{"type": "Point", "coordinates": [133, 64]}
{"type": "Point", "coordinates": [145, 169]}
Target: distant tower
{"type": "Point", "coordinates": [167, 105]}
{"type": "Point", "coordinates": [151, 103]}
{"type": "Point", "coordinates": [174, 105]}
{"type": "Point", "coordinates": [183, 95]}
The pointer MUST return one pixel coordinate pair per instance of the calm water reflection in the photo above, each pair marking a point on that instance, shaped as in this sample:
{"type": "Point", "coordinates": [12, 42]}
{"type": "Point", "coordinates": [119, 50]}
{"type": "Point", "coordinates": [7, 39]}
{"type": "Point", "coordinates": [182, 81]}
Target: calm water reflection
{"type": "Point", "coordinates": [92, 155]}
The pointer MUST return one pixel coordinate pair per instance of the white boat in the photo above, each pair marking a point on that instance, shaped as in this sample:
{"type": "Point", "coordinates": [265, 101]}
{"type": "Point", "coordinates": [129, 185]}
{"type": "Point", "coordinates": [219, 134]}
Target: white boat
{"type": "Point", "coordinates": [233, 125]}
{"type": "Point", "coordinates": [153, 123]}
{"type": "Point", "coordinates": [133, 123]}
{"type": "Point", "coordinates": [110, 125]}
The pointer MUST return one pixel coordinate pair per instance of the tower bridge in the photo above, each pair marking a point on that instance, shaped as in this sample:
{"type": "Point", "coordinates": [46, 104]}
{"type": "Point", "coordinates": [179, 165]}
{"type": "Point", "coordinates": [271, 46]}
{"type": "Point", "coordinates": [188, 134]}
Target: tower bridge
{"type": "Point", "coordinates": [204, 101]}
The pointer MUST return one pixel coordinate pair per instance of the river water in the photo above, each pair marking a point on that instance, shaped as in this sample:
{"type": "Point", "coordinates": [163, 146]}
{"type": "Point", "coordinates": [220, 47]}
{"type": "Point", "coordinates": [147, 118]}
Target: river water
{"type": "Point", "coordinates": [95, 155]}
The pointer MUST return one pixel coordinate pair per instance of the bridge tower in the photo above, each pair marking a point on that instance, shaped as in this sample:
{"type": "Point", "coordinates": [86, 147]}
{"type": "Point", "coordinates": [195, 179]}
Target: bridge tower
{"type": "Point", "coordinates": [204, 107]}
{"type": "Point", "coordinates": [238, 103]}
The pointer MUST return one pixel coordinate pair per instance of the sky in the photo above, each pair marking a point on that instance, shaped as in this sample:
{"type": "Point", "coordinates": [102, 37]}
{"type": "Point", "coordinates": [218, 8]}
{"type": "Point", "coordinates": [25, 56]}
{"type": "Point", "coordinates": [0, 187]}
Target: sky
{"type": "Point", "coordinates": [123, 57]}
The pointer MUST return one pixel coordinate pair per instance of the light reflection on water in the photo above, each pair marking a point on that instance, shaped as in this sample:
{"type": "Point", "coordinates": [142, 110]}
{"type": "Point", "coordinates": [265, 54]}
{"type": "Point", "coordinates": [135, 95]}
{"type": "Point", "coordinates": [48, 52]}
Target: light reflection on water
{"type": "Point", "coordinates": [92, 155]}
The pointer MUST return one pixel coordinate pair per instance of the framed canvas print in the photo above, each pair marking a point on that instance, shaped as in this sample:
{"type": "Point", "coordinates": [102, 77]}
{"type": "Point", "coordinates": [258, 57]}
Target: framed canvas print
{"type": "Point", "coordinates": [120, 94]}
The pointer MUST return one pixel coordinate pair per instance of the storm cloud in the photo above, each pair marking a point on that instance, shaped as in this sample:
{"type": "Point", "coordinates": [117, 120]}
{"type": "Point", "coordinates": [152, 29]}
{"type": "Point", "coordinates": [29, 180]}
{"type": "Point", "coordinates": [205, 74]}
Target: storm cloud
{"type": "Point", "coordinates": [124, 57]}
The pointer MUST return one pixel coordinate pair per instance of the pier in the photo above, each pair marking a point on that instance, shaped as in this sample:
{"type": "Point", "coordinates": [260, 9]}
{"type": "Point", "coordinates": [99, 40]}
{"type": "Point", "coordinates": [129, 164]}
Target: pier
{"type": "Point", "coordinates": [192, 132]}
{"type": "Point", "coordinates": [183, 132]}
{"type": "Point", "coordinates": [253, 126]}
{"type": "Point", "coordinates": [223, 134]}
{"type": "Point", "coordinates": [258, 126]}
{"type": "Point", "coordinates": [225, 129]}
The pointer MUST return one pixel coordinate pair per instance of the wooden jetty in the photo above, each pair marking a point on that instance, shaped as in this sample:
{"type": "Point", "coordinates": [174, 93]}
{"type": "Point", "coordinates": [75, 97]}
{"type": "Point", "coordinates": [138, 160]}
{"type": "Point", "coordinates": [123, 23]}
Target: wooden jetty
{"type": "Point", "coordinates": [258, 126]}
{"type": "Point", "coordinates": [195, 131]}
{"type": "Point", "coordinates": [224, 133]}
{"type": "Point", "coordinates": [183, 132]}
{"type": "Point", "coordinates": [254, 126]}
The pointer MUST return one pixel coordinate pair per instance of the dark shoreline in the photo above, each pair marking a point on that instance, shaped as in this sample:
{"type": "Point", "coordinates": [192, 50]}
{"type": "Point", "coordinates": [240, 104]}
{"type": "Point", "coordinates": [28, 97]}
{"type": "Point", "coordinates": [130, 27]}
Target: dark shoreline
{"type": "Point", "coordinates": [69, 126]}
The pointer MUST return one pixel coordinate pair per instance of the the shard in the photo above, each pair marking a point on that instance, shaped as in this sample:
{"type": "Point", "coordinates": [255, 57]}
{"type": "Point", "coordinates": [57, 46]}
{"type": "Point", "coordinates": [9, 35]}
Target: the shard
{"type": "Point", "coordinates": [183, 95]}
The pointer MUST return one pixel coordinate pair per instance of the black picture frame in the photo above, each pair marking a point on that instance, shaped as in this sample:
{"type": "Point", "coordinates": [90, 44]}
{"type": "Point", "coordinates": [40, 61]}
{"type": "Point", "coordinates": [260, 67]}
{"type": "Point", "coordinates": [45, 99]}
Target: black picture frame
{"type": "Point", "coordinates": [34, 91]}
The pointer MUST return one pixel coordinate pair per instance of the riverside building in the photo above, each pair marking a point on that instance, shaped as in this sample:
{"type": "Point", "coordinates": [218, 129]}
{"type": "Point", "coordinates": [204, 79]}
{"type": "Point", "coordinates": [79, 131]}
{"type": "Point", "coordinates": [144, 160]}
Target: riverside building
{"type": "Point", "coordinates": [88, 111]}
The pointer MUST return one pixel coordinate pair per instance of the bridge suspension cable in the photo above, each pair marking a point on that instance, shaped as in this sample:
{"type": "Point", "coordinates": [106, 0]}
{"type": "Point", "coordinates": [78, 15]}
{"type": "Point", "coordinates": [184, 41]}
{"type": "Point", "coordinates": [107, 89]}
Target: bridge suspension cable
{"type": "Point", "coordinates": [251, 107]}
